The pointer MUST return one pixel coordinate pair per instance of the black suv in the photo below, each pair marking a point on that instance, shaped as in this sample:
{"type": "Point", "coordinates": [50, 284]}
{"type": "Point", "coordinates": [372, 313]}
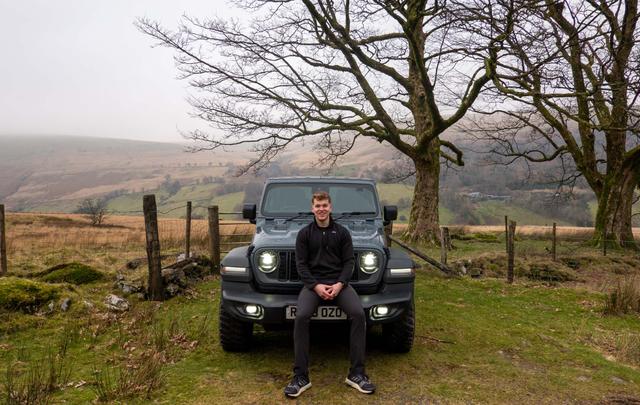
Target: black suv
{"type": "Point", "coordinates": [260, 283]}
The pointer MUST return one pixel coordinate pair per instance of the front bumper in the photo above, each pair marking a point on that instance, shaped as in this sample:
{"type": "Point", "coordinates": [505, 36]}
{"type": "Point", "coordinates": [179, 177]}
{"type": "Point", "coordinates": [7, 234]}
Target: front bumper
{"type": "Point", "coordinates": [235, 295]}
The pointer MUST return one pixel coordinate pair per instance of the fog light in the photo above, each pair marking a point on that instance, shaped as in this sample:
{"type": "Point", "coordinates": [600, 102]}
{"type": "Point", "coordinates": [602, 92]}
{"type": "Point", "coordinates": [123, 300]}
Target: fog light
{"type": "Point", "coordinates": [255, 311]}
{"type": "Point", "coordinates": [380, 311]}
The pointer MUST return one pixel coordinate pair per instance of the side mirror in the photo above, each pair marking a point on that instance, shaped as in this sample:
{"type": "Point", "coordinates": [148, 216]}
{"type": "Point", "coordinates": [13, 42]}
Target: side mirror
{"type": "Point", "coordinates": [249, 212]}
{"type": "Point", "coordinates": [390, 213]}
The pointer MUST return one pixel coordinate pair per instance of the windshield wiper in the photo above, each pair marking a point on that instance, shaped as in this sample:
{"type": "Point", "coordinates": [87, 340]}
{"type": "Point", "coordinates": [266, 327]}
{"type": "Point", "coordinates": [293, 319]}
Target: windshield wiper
{"type": "Point", "coordinates": [299, 215]}
{"type": "Point", "coordinates": [348, 214]}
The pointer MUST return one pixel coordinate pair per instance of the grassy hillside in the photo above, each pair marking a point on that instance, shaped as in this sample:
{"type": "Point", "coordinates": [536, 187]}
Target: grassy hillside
{"type": "Point", "coordinates": [201, 196]}
{"type": "Point", "coordinates": [44, 174]}
{"type": "Point", "coordinates": [54, 173]}
{"type": "Point", "coordinates": [493, 212]}
{"type": "Point", "coordinates": [41, 173]}
{"type": "Point", "coordinates": [204, 195]}
{"type": "Point", "coordinates": [392, 193]}
{"type": "Point", "coordinates": [488, 212]}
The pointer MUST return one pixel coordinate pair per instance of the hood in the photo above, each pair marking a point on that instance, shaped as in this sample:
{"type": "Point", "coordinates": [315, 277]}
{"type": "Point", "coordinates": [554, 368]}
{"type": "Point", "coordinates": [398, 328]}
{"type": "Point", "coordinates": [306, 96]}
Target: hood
{"type": "Point", "coordinates": [280, 232]}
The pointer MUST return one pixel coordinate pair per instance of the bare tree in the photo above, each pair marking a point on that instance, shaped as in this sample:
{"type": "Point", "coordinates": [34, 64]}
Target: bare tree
{"type": "Point", "coordinates": [332, 71]}
{"type": "Point", "coordinates": [95, 209]}
{"type": "Point", "coordinates": [569, 79]}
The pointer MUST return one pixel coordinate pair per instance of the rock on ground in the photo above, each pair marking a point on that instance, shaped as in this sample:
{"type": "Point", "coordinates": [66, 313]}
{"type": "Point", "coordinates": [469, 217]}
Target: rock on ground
{"type": "Point", "coordinates": [116, 303]}
{"type": "Point", "coordinates": [65, 305]}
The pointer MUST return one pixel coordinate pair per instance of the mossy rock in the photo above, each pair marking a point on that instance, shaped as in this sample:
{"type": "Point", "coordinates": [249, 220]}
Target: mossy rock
{"type": "Point", "coordinates": [550, 272]}
{"type": "Point", "coordinates": [22, 294]}
{"type": "Point", "coordinates": [73, 273]}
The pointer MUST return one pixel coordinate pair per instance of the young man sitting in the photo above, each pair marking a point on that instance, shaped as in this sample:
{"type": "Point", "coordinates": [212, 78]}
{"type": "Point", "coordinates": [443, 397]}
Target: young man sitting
{"type": "Point", "coordinates": [325, 260]}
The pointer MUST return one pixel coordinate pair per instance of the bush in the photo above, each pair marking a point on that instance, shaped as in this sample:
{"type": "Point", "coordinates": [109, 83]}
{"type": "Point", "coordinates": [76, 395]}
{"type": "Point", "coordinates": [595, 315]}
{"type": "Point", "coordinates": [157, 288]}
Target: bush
{"type": "Point", "coordinates": [26, 295]}
{"type": "Point", "coordinates": [624, 299]}
{"type": "Point", "coordinates": [35, 382]}
{"type": "Point", "coordinates": [628, 347]}
{"type": "Point", "coordinates": [623, 345]}
{"type": "Point", "coordinates": [95, 209]}
{"type": "Point", "coordinates": [73, 273]}
{"type": "Point", "coordinates": [124, 382]}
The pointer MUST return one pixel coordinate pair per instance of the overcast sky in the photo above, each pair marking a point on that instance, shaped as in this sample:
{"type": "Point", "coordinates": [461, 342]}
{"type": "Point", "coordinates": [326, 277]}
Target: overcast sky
{"type": "Point", "coordinates": [78, 67]}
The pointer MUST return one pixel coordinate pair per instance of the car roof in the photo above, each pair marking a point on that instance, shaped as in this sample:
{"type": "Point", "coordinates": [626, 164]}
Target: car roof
{"type": "Point", "coordinates": [320, 179]}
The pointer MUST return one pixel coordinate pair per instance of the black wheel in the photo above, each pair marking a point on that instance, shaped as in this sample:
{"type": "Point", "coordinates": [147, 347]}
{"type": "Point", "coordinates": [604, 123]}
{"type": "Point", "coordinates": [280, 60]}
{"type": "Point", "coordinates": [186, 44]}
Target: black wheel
{"type": "Point", "coordinates": [235, 335]}
{"type": "Point", "coordinates": [398, 335]}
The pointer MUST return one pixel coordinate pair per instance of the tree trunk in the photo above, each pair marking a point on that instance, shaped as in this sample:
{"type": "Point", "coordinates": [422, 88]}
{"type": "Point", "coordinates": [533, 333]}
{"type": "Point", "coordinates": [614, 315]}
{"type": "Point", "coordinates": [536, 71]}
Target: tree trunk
{"type": "Point", "coordinates": [613, 218]}
{"type": "Point", "coordinates": [423, 222]}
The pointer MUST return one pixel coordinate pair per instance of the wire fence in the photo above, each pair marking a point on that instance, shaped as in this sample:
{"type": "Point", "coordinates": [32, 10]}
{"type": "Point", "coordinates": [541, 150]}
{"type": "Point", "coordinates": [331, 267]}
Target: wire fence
{"type": "Point", "coordinates": [68, 236]}
{"type": "Point", "coordinates": [174, 206]}
{"type": "Point", "coordinates": [37, 239]}
{"type": "Point", "coordinates": [532, 242]}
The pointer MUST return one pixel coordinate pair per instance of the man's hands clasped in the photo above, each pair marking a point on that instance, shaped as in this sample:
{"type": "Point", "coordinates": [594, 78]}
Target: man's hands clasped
{"type": "Point", "coordinates": [328, 291]}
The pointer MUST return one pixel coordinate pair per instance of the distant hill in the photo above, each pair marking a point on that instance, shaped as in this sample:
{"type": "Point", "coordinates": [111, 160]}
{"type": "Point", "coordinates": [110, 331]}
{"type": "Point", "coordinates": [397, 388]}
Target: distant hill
{"type": "Point", "coordinates": [54, 174]}
{"type": "Point", "coordinates": [53, 171]}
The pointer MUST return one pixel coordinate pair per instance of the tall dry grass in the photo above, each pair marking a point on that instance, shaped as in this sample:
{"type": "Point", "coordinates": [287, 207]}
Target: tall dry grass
{"type": "Point", "coordinates": [624, 298]}
{"type": "Point", "coordinates": [28, 233]}
{"type": "Point", "coordinates": [564, 232]}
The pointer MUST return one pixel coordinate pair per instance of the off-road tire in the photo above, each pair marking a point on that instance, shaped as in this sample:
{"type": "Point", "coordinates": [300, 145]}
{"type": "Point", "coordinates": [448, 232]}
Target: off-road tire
{"type": "Point", "coordinates": [235, 335]}
{"type": "Point", "coordinates": [398, 335]}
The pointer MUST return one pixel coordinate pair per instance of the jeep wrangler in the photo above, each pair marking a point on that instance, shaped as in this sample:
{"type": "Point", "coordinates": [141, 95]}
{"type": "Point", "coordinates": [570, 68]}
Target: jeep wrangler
{"type": "Point", "coordinates": [260, 283]}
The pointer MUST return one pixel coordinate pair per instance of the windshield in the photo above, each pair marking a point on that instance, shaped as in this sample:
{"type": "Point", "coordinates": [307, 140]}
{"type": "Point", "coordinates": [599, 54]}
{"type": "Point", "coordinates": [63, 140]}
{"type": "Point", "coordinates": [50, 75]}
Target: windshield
{"type": "Point", "coordinates": [292, 199]}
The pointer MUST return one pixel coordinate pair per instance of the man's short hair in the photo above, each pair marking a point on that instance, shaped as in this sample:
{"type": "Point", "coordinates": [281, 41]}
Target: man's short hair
{"type": "Point", "coordinates": [320, 196]}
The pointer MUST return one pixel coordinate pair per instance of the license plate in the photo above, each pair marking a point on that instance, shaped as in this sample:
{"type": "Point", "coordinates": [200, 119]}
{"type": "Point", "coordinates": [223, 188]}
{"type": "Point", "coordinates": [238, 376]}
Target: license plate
{"type": "Point", "coordinates": [322, 313]}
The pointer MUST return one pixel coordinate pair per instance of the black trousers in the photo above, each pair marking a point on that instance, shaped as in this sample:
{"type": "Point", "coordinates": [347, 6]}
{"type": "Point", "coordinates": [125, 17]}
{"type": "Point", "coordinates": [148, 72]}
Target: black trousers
{"type": "Point", "coordinates": [349, 302]}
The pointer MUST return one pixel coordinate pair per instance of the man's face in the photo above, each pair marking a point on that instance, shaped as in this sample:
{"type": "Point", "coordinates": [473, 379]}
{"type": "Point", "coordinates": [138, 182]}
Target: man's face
{"type": "Point", "coordinates": [321, 209]}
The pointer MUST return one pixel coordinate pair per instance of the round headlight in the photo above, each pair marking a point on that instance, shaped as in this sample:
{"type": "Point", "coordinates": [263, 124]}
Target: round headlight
{"type": "Point", "coordinates": [369, 262]}
{"type": "Point", "coordinates": [267, 261]}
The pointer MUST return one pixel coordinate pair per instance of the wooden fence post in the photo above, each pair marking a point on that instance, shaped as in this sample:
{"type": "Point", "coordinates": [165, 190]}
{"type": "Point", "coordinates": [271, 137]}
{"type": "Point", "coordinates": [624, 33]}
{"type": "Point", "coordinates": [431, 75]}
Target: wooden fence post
{"type": "Point", "coordinates": [511, 251]}
{"type": "Point", "coordinates": [3, 243]}
{"type": "Point", "coordinates": [188, 232]}
{"type": "Point", "coordinates": [553, 244]}
{"type": "Point", "coordinates": [214, 239]}
{"type": "Point", "coordinates": [153, 247]}
{"type": "Point", "coordinates": [506, 232]}
{"type": "Point", "coordinates": [444, 244]}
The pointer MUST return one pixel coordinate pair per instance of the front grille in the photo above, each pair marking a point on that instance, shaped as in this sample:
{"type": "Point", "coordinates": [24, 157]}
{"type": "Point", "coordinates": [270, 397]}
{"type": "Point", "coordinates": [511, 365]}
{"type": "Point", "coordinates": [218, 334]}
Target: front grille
{"type": "Point", "coordinates": [288, 271]}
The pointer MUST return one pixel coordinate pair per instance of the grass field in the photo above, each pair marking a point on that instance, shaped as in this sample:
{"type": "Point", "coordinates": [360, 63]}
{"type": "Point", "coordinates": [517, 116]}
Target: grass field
{"type": "Point", "coordinates": [477, 340]}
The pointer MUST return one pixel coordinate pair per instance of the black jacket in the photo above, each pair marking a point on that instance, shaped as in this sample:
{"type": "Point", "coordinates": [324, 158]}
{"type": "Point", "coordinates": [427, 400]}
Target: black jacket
{"type": "Point", "coordinates": [324, 255]}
